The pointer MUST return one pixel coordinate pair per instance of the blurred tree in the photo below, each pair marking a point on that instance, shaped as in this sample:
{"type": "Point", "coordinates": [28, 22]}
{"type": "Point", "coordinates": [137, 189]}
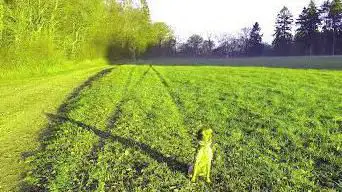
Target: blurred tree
{"type": "Point", "coordinates": [208, 46]}
{"type": "Point", "coordinates": [254, 45]}
{"type": "Point", "coordinates": [222, 50]}
{"type": "Point", "coordinates": [171, 47]}
{"type": "Point", "coordinates": [326, 32]}
{"type": "Point", "coordinates": [243, 40]}
{"type": "Point", "coordinates": [307, 34]}
{"type": "Point", "coordinates": [283, 36]}
{"type": "Point", "coordinates": [162, 33]}
{"type": "Point", "coordinates": [194, 45]}
{"type": "Point", "coordinates": [335, 15]}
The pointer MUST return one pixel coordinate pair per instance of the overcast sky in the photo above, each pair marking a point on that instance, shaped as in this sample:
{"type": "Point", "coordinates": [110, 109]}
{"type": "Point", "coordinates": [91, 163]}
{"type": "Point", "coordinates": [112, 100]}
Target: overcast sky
{"type": "Point", "coordinates": [188, 17]}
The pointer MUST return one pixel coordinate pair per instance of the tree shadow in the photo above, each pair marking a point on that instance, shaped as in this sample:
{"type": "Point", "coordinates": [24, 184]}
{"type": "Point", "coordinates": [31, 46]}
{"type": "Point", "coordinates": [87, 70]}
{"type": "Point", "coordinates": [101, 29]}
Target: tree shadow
{"type": "Point", "coordinates": [176, 100]}
{"type": "Point", "coordinates": [61, 117]}
{"type": "Point", "coordinates": [49, 131]}
{"type": "Point", "coordinates": [171, 162]}
{"type": "Point", "coordinates": [76, 92]}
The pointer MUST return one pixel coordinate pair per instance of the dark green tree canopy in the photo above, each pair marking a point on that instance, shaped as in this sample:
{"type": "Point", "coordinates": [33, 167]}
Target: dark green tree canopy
{"type": "Point", "coordinates": [283, 36]}
{"type": "Point", "coordinates": [254, 45]}
{"type": "Point", "coordinates": [308, 30]}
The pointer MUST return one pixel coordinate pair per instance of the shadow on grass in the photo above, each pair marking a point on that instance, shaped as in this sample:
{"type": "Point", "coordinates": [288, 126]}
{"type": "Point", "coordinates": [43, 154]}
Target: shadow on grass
{"type": "Point", "coordinates": [48, 133]}
{"type": "Point", "coordinates": [55, 121]}
{"type": "Point", "coordinates": [87, 84]}
{"type": "Point", "coordinates": [171, 162]}
{"type": "Point", "coordinates": [111, 122]}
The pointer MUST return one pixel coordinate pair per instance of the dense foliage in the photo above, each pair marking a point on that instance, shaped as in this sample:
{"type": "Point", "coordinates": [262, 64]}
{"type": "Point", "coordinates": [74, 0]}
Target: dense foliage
{"type": "Point", "coordinates": [50, 31]}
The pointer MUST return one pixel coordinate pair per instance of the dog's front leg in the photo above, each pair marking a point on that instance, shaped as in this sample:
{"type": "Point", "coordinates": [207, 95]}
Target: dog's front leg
{"type": "Point", "coordinates": [208, 173]}
{"type": "Point", "coordinates": [195, 174]}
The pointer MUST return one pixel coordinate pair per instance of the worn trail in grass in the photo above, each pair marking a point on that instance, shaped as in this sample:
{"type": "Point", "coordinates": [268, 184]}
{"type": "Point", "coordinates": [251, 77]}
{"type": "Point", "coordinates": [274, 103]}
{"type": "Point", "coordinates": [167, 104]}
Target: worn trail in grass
{"type": "Point", "coordinates": [22, 106]}
{"type": "Point", "coordinates": [135, 129]}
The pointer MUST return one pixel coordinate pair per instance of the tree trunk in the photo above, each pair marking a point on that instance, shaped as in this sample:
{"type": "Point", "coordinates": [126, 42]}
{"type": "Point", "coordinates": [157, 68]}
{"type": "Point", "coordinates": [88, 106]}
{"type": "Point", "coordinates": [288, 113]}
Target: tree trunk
{"type": "Point", "coordinates": [334, 42]}
{"type": "Point", "coordinates": [310, 50]}
{"type": "Point", "coordinates": [133, 53]}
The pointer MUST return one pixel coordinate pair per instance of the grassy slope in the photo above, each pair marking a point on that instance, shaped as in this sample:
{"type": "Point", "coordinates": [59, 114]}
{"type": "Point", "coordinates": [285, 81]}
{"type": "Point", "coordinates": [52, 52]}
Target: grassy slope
{"type": "Point", "coordinates": [278, 129]}
{"type": "Point", "coordinates": [23, 104]}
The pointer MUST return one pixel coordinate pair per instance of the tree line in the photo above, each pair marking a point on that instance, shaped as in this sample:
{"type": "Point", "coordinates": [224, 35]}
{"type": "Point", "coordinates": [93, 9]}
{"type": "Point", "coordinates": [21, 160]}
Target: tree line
{"type": "Point", "coordinates": [317, 31]}
{"type": "Point", "coordinates": [52, 31]}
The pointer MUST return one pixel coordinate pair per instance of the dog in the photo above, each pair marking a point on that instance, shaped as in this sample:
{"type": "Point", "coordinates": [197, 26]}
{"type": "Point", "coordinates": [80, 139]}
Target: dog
{"type": "Point", "coordinates": [204, 156]}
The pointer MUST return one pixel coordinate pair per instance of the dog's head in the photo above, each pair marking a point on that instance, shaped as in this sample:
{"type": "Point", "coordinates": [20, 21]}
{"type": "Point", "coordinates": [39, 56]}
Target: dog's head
{"type": "Point", "coordinates": [205, 135]}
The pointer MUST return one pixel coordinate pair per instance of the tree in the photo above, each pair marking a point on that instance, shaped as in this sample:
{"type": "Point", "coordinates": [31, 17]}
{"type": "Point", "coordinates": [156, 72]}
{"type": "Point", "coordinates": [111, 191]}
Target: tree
{"type": "Point", "coordinates": [335, 14]}
{"type": "Point", "coordinates": [326, 34]}
{"type": "Point", "coordinates": [194, 44]}
{"type": "Point", "coordinates": [307, 32]}
{"type": "Point", "coordinates": [254, 45]}
{"type": "Point", "coordinates": [170, 47]}
{"type": "Point", "coordinates": [145, 8]}
{"type": "Point", "coordinates": [243, 40]}
{"type": "Point", "coordinates": [283, 37]}
{"type": "Point", "coordinates": [208, 46]}
{"type": "Point", "coordinates": [161, 33]}
{"type": "Point", "coordinates": [222, 50]}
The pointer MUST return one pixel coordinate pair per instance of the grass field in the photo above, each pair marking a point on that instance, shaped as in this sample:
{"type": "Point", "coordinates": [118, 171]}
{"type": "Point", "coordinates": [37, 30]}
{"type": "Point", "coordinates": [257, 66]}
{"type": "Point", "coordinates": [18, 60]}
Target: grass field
{"type": "Point", "coordinates": [24, 98]}
{"type": "Point", "coordinates": [133, 128]}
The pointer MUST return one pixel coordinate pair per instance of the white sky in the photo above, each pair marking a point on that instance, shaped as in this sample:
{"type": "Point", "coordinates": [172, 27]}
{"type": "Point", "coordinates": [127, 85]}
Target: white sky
{"type": "Point", "coordinates": [188, 17]}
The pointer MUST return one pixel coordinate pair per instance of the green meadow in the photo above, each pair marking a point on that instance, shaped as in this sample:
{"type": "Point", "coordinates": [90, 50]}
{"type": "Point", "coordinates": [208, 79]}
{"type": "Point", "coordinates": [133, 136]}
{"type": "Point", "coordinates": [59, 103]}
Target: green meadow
{"type": "Point", "coordinates": [133, 128]}
{"type": "Point", "coordinates": [99, 95]}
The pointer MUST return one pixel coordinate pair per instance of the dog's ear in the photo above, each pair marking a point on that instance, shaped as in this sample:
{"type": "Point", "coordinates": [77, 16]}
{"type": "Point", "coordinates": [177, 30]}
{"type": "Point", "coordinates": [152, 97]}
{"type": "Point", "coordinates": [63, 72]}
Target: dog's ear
{"type": "Point", "coordinates": [200, 134]}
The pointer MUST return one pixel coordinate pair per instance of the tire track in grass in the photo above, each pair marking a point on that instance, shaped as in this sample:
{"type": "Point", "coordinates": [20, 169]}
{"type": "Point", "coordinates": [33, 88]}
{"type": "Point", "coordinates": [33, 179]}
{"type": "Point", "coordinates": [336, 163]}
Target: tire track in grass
{"type": "Point", "coordinates": [116, 114]}
{"type": "Point", "coordinates": [93, 156]}
{"type": "Point", "coordinates": [74, 96]}
{"type": "Point", "coordinates": [144, 148]}
{"type": "Point", "coordinates": [176, 100]}
{"type": "Point", "coordinates": [191, 119]}
{"type": "Point", "coordinates": [98, 147]}
{"type": "Point", "coordinates": [81, 176]}
{"type": "Point", "coordinates": [67, 106]}
{"type": "Point", "coordinates": [188, 133]}
{"type": "Point", "coordinates": [158, 156]}
{"type": "Point", "coordinates": [50, 132]}
{"type": "Point", "coordinates": [178, 103]}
